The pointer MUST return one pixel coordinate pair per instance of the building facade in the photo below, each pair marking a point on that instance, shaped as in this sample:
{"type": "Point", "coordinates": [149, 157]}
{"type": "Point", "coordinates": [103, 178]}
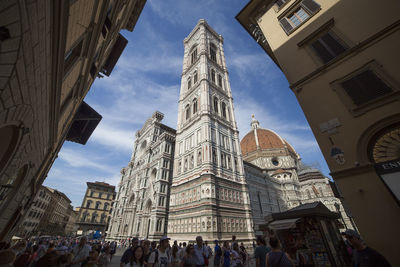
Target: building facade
{"type": "Point", "coordinates": [56, 216]}
{"type": "Point", "coordinates": [328, 51]}
{"type": "Point", "coordinates": [95, 211]}
{"type": "Point", "coordinates": [35, 213]}
{"type": "Point", "coordinates": [50, 53]}
{"type": "Point", "coordinates": [72, 227]}
{"type": "Point", "coordinates": [209, 194]}
{"type": "Point", "coordinates": [141, 206]}
{"type": "Point", "coordinates": [277, 179]}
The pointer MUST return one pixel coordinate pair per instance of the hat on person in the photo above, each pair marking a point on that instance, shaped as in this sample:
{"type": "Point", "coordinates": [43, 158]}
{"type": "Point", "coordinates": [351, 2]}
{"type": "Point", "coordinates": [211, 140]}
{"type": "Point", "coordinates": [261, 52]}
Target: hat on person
{"type": "Point", "coordinates": [351, 232]}
{"type": "Point", "coordinates": [164, 238]}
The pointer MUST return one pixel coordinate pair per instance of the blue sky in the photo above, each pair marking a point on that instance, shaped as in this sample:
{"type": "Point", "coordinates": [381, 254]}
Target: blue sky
{"type": "Point", "coordinates": [147, 78]}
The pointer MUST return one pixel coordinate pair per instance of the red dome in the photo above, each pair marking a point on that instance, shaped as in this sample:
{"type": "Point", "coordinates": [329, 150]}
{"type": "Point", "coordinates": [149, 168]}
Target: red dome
{"type": "Point", "coordinates": [267, 140]}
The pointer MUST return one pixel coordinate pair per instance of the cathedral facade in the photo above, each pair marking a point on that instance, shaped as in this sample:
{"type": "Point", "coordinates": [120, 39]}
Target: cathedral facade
{"type": "Point", "coordinates": [141, 205]}
{"type": "Point", "coordinates": [194, 181]}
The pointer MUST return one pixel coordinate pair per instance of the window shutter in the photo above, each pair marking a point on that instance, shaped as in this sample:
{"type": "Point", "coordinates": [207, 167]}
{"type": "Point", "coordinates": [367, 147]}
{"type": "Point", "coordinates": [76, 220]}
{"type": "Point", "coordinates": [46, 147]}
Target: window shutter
{"type": "Point", "coordinates": [310, 6]}
{"type": "Point", "coordinates": [365, 87]}
{"type": "Point", "coordinates": [287, 27]}
{"type": "Point", "coordinates": [321, 51]}
{"type": "Point", "coordinates": [336, 47]}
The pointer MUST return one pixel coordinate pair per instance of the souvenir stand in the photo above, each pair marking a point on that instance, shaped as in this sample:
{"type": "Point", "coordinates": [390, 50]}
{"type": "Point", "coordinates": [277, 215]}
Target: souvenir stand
{"type": "Point", "coordinates": [309, 234]}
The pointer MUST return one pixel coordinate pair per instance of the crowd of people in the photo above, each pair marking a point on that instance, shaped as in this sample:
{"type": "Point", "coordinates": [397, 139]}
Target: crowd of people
{"type": "Point", "coordinates": [57, 252]}
{"type": "Point", "coordinates": [196, 254]}
{"type": "Point", "coordinates": [73, 252]}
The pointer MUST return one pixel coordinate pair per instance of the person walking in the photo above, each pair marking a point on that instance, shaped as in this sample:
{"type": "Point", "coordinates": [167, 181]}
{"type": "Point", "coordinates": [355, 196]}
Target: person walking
{"type": "Point", "coordinates": [80, 252]}
{"type": "Point", "coordinates": [261, 251]}
{"type": "Point", "coordinates": [189, 259]}
{"type": "Point", "coordinates": [226, 251]}
{"type": "Point", "coordinates": [200, 253]}
{"type": "Point", "coordinates": [182, 252]}
{"type": "Point", "coordinates": [105, 257]}
{"type": "Point", "coordinates": [128, 254]}
{"type": "Point", "coordinates": [243, 253]}
{"type": "Point", "coordinates": [276, 257]}
{"type": "Point", "coordinates": [235, 256]}
{"type": "Point", "coordinates": [218, 254]}
{"type": "Point", "coordinates": [174, 255]}
{"type": "Point", "coordinates": [160, 257]}
{"type": "Point", "coordinates": [137, 259]}
{"type": "Point", "coordinates": [364, 256]}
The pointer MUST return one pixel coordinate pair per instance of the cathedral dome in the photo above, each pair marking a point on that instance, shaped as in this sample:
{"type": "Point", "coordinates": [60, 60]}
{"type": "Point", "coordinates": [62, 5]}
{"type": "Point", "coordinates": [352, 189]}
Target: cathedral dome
{"type": "Point", "coordinates": [263, 139]}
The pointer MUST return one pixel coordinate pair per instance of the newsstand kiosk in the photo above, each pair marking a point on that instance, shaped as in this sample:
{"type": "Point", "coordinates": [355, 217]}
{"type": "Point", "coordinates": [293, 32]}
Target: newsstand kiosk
{"type": "Point", "coordinates": [310, 235]}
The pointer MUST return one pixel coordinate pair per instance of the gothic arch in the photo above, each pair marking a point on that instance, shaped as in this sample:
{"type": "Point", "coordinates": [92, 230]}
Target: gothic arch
{"type": "Point", "coordinates": [371, 134]}
{"type": "Point", "coordinates": [153, 174]}
{"type": "Point", "coordinates": [148, 206]}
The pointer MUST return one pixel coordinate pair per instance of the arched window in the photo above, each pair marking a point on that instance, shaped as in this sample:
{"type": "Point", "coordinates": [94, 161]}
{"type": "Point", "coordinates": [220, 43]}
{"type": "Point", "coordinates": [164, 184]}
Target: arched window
{"type": "Point", "coordinates": [195, 106]}
{"type": "Point", "coordinates": [105, 206]}
{"type": "Point", "coordinates": [223, 109]}
{"type": "Point", "coordinates": [187, 111]}
{"type": "Point", "coordinates": [88, 203]}
{"type": "Point", "coordinates": [213, 52]}
{"type": "Point", "coordinates": [179, 167]}
{"type": "Point", "coordinates": [195, 77]}
{"type": "Point", "coordinates": [219, 80]}
{"type": "Point", "coordinates": [103, 218]}
{"type": "Point", "coordinates": [94, 217]}
{"type": "Point", "coordinates": [192, 161]}
{"type": "Point", "coordinates": [193, 55]}
{"type": "Point", "coordinates": [213, 75]}
{"type": "Point", "coordinates": [199, 159]}
{"type": "Point", "coordinates": [84, 216]}
{"type": "Point", "coordinates": [215, 104]}
{"type": "Point", "coordinates": [223, 160]}
{"type": "Point", "coordinates": [189, 83]}
{"type": "Point", "coordinates": [214, 155]}
{"type": "Point", "coordinates": [98, 203]}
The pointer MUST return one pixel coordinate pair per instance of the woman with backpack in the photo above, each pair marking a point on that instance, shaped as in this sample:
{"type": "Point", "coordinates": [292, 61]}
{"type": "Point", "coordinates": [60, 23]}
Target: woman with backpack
{"type": "Point", "coordinates": [276, 257]}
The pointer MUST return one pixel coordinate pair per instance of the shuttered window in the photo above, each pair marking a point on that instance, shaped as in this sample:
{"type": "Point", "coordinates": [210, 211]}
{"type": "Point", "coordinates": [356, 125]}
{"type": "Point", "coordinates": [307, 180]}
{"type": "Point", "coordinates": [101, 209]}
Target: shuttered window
{"type": "Point", "coordinates": [280, 3]}
{"type": "Point", "coordinates": [306, 9]}
{"type": "Point", "coordinates": [327, 47]}
{"type": "Point", "coordinates": [365, 87]}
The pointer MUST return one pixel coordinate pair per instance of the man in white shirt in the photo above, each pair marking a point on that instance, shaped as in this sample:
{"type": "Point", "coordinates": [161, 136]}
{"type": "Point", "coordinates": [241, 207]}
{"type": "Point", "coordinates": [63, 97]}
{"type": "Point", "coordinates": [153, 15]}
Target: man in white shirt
{"type": "Point", "coordinates": [160, 257]}
{"type": "Point", "coordinates": [80, 252]}
{"type": "Point", "coordinates": [200, 252]}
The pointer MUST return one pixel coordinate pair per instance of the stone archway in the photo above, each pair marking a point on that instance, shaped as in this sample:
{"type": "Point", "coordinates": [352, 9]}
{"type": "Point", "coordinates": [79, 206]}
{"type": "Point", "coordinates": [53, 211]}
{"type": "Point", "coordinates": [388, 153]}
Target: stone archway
{"type": "Point", "coordinates": [10, 137]}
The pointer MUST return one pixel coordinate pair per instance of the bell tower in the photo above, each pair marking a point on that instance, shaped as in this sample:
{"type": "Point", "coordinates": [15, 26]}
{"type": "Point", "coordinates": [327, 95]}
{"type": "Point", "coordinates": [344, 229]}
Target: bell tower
{"type": "Point", "coordinates": [209, 194]}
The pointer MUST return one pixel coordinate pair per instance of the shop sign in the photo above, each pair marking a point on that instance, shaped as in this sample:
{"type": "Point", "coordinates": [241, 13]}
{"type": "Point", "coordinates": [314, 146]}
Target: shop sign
{"type": "Point", "coordinates": [389, 172]}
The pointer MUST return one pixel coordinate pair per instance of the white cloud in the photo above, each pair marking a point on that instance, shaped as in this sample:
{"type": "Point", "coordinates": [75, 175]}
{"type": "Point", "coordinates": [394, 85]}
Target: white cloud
{"type": "Point", "coordinates": [77, 159]}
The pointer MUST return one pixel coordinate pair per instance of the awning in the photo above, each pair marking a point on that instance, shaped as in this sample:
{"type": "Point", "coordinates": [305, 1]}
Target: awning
{"type": "Point", "coordinates": [283, 224]}
{"type": "Point", "coordinates": [85, 121]}
{"type": "Point", "coordinates": [115, 53]}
